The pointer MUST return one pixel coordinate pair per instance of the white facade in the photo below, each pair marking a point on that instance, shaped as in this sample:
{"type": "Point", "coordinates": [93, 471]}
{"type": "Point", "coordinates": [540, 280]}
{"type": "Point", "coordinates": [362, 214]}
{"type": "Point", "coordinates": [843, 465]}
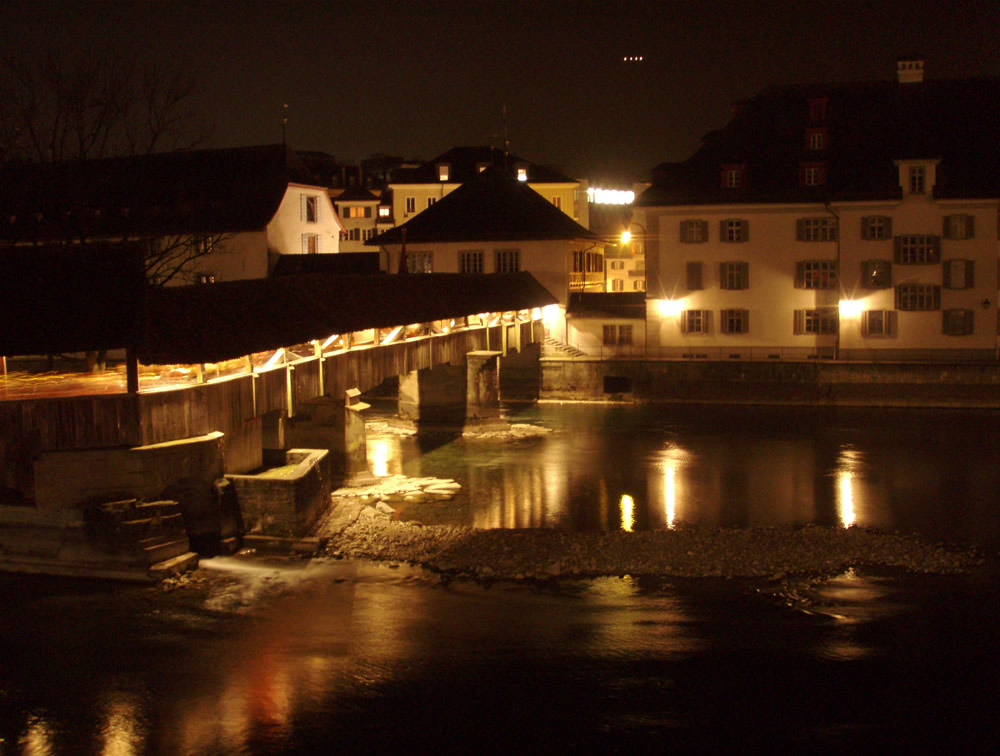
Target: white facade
{"type": "Point", "coordinates": [304, 223]}
{"type": "Point", "coordinates": [409, 200]}
{"type": "Point", "coordinates": [914, 278]}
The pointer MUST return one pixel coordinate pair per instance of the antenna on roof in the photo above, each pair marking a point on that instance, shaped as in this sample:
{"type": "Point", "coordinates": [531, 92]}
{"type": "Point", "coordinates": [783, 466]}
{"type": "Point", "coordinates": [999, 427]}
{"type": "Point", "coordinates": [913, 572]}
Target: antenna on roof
{"type": "Point", "coordinates": [284, 124]}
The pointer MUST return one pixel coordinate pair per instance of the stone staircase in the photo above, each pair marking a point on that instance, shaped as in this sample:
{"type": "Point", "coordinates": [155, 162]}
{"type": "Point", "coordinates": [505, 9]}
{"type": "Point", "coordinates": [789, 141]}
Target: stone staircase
{"type": "Point", "coordinates": [148, 535]}
{"type": "Point", "coordinates": [553, 348]}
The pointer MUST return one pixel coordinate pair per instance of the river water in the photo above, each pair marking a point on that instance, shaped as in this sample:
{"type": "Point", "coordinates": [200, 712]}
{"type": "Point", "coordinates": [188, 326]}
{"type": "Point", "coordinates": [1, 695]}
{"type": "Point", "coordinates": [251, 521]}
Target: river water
{"type": "Point", "coordinates": [263, 656]}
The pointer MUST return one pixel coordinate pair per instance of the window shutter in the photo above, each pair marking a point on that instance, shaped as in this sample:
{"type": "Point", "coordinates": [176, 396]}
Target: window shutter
{"type": "Point", "coordinates": [898, 248]}
{"type": "Point", "coordinates": [684, 321]}
{"type": "Point", "coordinates": [970, 274]}
{"type": "Point", "coordinates": [800, 229]}
{"type": "Point", "coordinates": [706, 321]}
{"type": "Point", "coordinates": [946, 226]}
{"type": "Point", "coordinates": [866, 223]}
{"type": "Point", "coordinates": [305, 243]}
{"type": "Point", "coordinates": [891, 323]}
{"type": "Point", "coordinates": [744, 230]}
{"type": "Point", "coordinates": [703, 229]}
{"type": "Point", "coordinates": [799, 322]}
{"type": "Point", "coordinates": [887, 223]}
{"type": "Point", "coordinates": [936, 247]}
{"type": "Point", "coordinates": [302, 208]}
{"type": "Point", "coordinates": [745, 270]}
{"type": "Point", "coordinates": [946, 273]}
{"type": "Point", "coordinates": [722, 231]}
{"type": "Point", "coordinates": [800, 275]}
{"type": "Point", "coordinates": [896, 298]}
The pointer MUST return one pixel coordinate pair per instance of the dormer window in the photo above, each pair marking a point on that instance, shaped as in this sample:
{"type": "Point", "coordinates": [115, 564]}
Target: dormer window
{"type": "Point", "coordinates": [812, 174]}
{"type": "Point", "coordinates": [443, 171]}
{"type": "Point", "coordinates": [910, 70]}
{"type": "Point", "coordinates": [384, 211]}
{"type": "Point", "coordinates": [817, 109]}
{"type": "Point", "coordinates": [816, 139]}
{"type": "Point", "coordinates": [522, 173]}
{"type": "Point", "coordinates": [917, 179]}
{"type": "Point", "coordinates": [734, 176]}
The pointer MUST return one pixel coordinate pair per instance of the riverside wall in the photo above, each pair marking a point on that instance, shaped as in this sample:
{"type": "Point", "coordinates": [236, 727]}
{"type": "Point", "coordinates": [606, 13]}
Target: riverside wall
{"type": "Point", "coordinates": [808, 383]}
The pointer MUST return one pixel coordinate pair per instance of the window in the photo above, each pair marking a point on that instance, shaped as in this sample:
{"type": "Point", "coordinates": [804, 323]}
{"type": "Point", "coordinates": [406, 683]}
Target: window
{"type": "Point", "coordinates": [638, 285]}
{"type": "Point", "coordinates": [815, 139]}
{"type": "Point", "coordinates": [821, 321]}
{"type": "Point", "coordinates": [876, 227]}
{"type": "Point", "coordinates": [918, 249]}
{"type": "Point", "coordinates": [876, 323]}
{"type": "Point", "coordinates": [368, 233]}
{"type": "Point", "coordinates": [918, 297]}
{"type": "Point", "coordinates": [356, 211]}
{"type": "Point", "coordinates": [206, 279]}
{"type": "Point", "coordinates": [443, 170]}
{"type": "Point", "coordinates": [917, 179]}
{"type": "Point", "coordinates": [557, 202]}
{"type": "Point", "coordinates": [816, 229]}
{"type": "Point", "coordinates": [694, 276]}
{"type": "Point", "coordinates": [812, 174]}
{"type": "Point", "coordinates": [617, 265]}
{"type": "Point", "coordinates": [694, 231]}
{"type": "Point", "coordinates": [956, 322]}
{"type": "Point", "coordinates": [695, 321]}
{"type": "Point", "coordinates": [309, 208]}
{"type": "Point", "coordinates": [384, 211]}
{"type": "Point", "coordinates": [431, 201]}
{"type": "Point", "coordinates": [734, 230]}
{"type": "Point", "coordinates": [507, 260]}
{"type": "Point", "coordinates": [816, 274]}
{"type": "Point", "coordinates": [411, 205]}
{"type": "Point", "coordinates": [876, 274]}
{"type": "Point", "coordinates": [620, 335]}
{"type": "Point", "coordinates": [420, 262]}
{"type": "Point", "coordinates": [310, 243]}
{"type": "Point", "coordinates": [734, 275]}
{"type": "Point", "coordinates": [617, 284]}
{"type": "Point", "coordinates": [353, 234]}
{"type": "Point", "coordinates": [592, 262]}
{"type": "Point", "coordinates": [470, 261]}
{"type": "Point", "coordinates": [817, 109]}
{"type": "Point", "coordinates": [959, 227]}
{"type": "Point", "coordinates": [522, 173]}
{"type": "Point", "coordinates": [735, 321]}
{"type": "Point", "coordinates": [959, 274]}
{"type": "Point", "coordinates": [734, 176]}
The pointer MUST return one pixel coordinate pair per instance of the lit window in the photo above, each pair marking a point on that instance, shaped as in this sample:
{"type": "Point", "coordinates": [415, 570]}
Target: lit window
{"type": "Point", "coordinates": [918, 249]}
{"type": "Point", "coordinates": [876, 227]}
{"type": "Point", "coordinates": [470, 261]}
{"type": "Point", "coordinates": [735, 321]}
{"type": "Point", "coordinates": [384, 211]}
{"type": "Point", "coordinates": [356, 211]}
{"type": "Point", "coordinates": [734, 275]}
{"type": "Point", "coordinates": [206, 279]}
{"type": "Point", "coordinates": [816, 274]}
{"type": "Point", "coordinates": [522, 174]}
{"type": "Point", "coordinates": [918, 297]}
{"type": "Point", "coordinates": [443, 170]}
{"type": "Point", "coordinates": [816, 229]}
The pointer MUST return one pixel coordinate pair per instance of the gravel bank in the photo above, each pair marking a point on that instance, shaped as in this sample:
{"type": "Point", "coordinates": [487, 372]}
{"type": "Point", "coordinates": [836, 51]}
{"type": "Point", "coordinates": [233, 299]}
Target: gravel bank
{"type": "Point", "coordinates": [358, 531]}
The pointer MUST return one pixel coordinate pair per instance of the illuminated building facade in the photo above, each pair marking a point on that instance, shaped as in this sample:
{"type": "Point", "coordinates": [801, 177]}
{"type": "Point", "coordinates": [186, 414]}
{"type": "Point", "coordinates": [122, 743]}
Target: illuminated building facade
{"type": "Point", "coordinates": [416, 189]}
{"type": "Point", "coordinates": [848, 221]}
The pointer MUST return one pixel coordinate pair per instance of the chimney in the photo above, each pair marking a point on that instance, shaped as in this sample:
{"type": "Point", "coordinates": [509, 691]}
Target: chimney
{"type": "Point", "coordinates": [910, 69]}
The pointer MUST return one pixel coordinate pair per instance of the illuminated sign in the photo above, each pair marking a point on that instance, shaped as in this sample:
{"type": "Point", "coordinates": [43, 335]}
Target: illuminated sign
{"type": "Point", "coordinates": [610, 196]}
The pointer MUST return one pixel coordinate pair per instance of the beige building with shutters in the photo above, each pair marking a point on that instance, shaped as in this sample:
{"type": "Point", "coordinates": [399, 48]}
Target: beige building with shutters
{"type": "Point", "coordinates": [850, 222]}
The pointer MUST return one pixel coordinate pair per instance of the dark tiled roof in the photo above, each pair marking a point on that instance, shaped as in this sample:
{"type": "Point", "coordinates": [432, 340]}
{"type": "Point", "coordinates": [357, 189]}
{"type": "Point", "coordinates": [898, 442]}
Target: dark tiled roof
{"type": "Point", "coordinates": [71, 299]}
{"type": "Point", "coordinates": [464, 164]}
{"type": "Point", "coordinates": [355, 194]}
{"type": "Point", "coordinates": [363, 263]}
{"type": "Point", "coordinates": [869, 125]}
{"type": "Point", "coordinates": [490, 207]}
{"type": "Point", "coordinates": [198, 191]}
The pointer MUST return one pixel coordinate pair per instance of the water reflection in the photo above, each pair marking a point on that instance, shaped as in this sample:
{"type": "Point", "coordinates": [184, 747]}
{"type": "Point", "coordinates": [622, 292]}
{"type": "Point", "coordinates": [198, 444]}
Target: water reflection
{"type": "Point", "coordinates": [628, 513]}
{"type": "Point", "coordinates": [122, 733]}
{"type": "Point", "coordinates": [846, 466]}
{"type": "Point", "coordinates": [37, 738]}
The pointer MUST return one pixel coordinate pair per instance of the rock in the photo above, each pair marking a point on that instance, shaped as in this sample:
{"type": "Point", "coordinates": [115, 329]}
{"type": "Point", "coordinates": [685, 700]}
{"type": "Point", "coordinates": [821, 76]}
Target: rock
{"type": "Point", "coordinates": [384, 508]}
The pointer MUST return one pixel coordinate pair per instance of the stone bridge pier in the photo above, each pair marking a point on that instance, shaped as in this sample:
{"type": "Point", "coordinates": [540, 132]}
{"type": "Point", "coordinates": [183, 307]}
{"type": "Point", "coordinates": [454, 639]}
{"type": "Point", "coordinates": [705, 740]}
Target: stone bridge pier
{"type": "Point", "coordinates": [454, 397]}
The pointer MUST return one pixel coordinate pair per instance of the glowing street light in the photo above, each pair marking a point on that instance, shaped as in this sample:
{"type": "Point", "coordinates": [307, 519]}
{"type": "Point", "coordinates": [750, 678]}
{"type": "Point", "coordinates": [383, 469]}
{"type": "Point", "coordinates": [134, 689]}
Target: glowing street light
{"type": "Point", "coordinates": [850, 308]}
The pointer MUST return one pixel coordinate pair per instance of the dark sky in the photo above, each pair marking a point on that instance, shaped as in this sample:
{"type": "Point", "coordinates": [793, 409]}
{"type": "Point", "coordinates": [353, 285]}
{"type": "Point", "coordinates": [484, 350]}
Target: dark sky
{"type": "Point", "coordinates": [416, 78]}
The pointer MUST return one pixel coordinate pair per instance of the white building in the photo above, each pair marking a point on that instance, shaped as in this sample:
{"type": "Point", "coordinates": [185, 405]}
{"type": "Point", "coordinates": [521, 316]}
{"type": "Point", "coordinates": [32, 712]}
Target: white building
{"type": "Point", "coordinates": [851, 221]}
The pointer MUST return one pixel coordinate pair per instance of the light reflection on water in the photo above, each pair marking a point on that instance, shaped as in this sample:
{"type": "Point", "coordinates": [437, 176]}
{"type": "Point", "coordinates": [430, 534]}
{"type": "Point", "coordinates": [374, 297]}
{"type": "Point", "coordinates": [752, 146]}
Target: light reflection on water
{"type": "Point", "coordinates": [728, 467]}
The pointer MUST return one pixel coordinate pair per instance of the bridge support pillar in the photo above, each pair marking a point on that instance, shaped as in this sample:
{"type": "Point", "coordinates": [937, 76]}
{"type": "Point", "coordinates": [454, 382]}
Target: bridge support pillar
{"type": "Point", "coordinates": [482, 389]}
{"type": "Point", "coordinates": [338, 426]}
{"type": "Point", "coordinates": [453, 397]}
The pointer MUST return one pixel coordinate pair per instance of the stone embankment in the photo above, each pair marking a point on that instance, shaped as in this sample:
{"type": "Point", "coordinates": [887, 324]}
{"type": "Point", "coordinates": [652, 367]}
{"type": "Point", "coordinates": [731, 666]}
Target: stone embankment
{"type": "Point", "coordinates": [356, 529]}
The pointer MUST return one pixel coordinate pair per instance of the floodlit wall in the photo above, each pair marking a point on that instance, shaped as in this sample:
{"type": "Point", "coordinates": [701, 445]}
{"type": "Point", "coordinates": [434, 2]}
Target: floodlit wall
{"type": "Point", "coordinates": [294, 224]}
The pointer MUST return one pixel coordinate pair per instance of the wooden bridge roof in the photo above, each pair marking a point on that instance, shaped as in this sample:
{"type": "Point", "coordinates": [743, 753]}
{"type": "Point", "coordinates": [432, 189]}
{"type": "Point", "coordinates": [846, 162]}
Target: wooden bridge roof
{"type": "Point", "coordinates": [78, 299]}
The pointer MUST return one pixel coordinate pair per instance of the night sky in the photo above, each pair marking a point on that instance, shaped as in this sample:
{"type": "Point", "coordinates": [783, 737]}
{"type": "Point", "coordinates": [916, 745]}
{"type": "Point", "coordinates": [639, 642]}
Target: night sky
{"type": "Point", "coordinates": [416, 78]}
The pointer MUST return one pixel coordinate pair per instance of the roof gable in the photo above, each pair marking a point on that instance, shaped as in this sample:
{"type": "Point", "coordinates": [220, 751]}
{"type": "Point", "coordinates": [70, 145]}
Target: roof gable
{"type": "Point", "coordinates": [465, 163]}
{"type": "Point", "coordinates": [490, 207]}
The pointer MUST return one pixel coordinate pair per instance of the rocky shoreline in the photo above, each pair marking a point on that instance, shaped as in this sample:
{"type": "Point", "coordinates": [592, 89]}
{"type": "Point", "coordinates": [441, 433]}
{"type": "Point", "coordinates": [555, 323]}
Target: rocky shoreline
{"type": "Point", "coordinates": [357, 530]}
